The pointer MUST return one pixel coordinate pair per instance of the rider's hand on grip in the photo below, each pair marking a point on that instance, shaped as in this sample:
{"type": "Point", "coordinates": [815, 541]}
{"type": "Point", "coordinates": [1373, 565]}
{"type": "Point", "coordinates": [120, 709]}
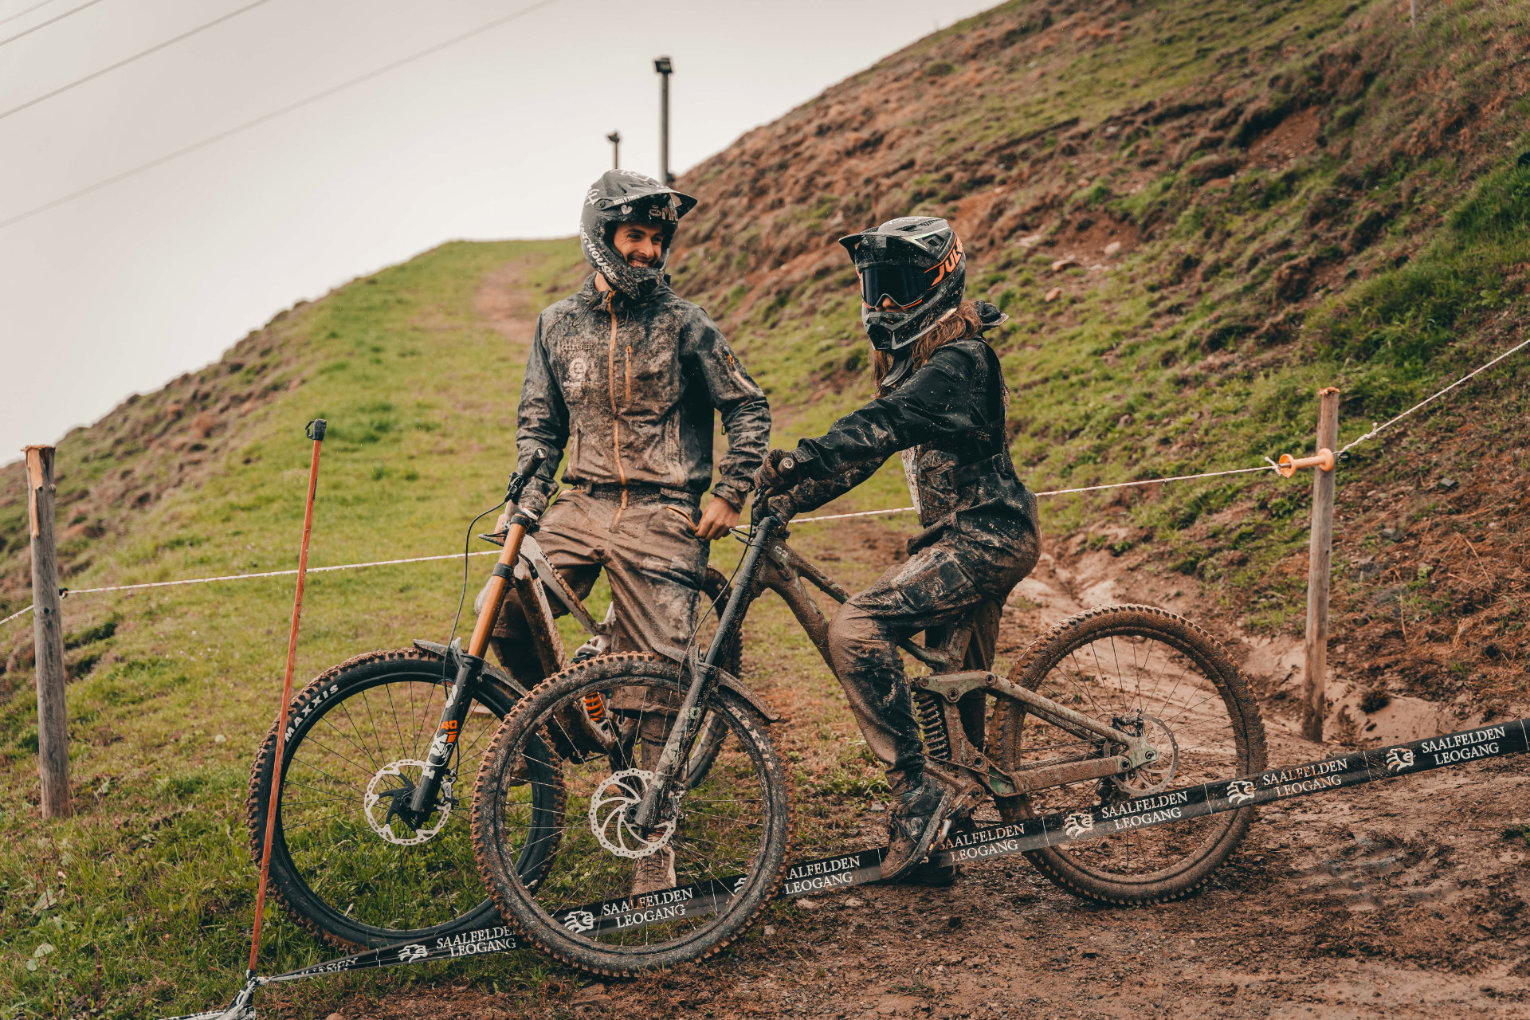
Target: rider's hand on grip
{"type": "Point", "coordinates": [517, 483]}
{"type": "Point", "coordinates": [777, 472]}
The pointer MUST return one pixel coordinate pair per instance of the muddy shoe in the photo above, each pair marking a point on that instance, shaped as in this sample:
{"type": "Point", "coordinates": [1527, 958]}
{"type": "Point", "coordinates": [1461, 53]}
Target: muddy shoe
{"type": "Point", "coordinates": [654, 873]}
{"type": "Point", "coordinates": [915, 824]}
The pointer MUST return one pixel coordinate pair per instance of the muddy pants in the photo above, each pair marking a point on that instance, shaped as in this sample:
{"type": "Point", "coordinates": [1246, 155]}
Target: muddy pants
{"type": "Point", "coordinates": [653, 561]}
{"type": "Point", "coordinates": [941, 585]}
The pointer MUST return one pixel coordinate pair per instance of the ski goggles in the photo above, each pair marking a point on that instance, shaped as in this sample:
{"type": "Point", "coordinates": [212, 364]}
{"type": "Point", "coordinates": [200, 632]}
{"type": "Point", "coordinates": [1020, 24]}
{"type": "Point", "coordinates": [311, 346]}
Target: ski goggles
{"type": "Point", "coordinates": [904, 285]}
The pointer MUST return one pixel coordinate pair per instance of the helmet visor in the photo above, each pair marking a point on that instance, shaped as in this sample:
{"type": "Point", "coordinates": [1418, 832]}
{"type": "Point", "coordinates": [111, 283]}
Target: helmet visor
{"type": "Point", "coordinates": [905, 285]}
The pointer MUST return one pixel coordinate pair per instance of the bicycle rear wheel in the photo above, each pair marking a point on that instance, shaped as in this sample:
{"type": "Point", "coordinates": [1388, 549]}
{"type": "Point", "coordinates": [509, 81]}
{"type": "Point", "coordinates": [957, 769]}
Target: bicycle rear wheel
{"type": "Point", "coordinates": [1145, 671]}
{"type": "Point", "coordinates": [725, 834]}
{"type": "Point", "coordinates": [357, 737]}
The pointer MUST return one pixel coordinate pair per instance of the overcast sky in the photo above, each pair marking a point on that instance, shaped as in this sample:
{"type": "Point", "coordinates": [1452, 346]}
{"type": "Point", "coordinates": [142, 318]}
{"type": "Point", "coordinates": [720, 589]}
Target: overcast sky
{"type": "Point", "coordinates": [123, 289]}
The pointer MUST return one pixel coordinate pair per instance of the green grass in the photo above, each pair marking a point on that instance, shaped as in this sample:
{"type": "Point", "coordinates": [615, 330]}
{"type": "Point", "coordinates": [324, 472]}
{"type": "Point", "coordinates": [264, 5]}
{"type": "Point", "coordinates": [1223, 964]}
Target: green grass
{"type": "Point", "coordinates": [145, 896]}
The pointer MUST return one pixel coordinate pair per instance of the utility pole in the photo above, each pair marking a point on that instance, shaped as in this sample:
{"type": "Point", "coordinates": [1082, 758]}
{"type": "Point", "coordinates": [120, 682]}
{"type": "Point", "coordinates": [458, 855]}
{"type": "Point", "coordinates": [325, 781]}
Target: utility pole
{"type": "Point", "coordinates": [615, 138]}
{"type": "Point", "coordinates": [665, 67]}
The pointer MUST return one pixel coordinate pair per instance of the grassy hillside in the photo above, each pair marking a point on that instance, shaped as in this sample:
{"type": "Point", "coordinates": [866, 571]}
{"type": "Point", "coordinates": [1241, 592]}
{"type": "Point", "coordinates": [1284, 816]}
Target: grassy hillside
{"type": "Point", "coordinates": [1303, 194]}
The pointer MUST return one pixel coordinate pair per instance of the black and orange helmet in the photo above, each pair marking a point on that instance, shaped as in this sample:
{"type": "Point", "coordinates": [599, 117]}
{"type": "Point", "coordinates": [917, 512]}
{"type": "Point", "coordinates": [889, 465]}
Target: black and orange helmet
{"type": "Point", "coordinates": [913, 274]}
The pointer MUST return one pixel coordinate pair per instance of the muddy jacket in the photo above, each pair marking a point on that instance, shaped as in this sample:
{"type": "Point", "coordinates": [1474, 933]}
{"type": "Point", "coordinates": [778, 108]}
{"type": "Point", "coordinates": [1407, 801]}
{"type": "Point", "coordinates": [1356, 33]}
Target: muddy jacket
{"type": "Point", "coordinates": [949, 416]}
{"type": "Point", "coordinates": [628, 390]}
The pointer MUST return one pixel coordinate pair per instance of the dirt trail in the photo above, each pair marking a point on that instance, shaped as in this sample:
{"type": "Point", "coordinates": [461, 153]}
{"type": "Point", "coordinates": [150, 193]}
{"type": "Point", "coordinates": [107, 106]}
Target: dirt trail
{"type": "Point", "coordinates": [1405, 898]}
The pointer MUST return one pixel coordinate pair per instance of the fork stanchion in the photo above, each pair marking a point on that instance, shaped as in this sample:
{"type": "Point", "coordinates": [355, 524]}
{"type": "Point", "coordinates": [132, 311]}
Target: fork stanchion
{"type": "Point", "coordinates": [315, 432]}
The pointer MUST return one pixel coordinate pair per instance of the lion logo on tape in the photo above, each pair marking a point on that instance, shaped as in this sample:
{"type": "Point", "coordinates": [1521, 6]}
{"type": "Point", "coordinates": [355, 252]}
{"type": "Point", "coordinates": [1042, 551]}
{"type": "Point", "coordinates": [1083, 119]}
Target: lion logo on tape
{"type": "Point", "coordinates": [1078, 824]}
{"type": "Point", "coordinates": [1239, 792]}
{"type": "Point", "coordinates": [412, 952]}
{"type": "Point", "coordinates": [1399, 759]}
{"type": "Point", "coordinates": [579, 921]}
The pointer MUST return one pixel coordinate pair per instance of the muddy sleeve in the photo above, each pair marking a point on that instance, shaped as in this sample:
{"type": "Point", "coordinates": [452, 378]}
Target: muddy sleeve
{"type": "Point", "coordinates": [541, 424]}
{"type": "Point", "coordinates": [945, 396]}
{"type": "Point", "coordinates": [812, 493]}
{"type": "Point", "coordinates": [740, 402]}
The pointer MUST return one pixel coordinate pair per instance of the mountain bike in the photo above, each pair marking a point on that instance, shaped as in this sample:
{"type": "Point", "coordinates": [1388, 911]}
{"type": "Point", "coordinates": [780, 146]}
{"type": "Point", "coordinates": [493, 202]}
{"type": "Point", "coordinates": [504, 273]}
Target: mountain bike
{"type": "Point", "coordinates": [370, 846]}
{"type": "Point", "coordinates": [1110, 705]}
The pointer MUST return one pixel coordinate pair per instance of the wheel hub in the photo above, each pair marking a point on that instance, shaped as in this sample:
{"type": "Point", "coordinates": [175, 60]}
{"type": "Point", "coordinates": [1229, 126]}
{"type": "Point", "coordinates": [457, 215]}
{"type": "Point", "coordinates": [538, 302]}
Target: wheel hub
{"type": "Point", "coordinates": [611, 809]}
{"type": "Point", "coordinates": [1161, 759]}
{"type": "Point", "coordinates": [387, 798]}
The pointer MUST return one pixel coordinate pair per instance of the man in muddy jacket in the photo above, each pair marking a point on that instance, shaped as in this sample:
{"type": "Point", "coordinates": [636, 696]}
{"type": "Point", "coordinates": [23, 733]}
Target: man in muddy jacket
{"type": "Point", "coordinates": [624, 378]}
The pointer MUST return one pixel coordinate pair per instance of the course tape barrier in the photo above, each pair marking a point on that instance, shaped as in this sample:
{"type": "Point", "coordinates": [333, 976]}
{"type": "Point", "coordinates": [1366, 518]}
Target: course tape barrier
{"type": "Point", "coordinates": [858, 867]}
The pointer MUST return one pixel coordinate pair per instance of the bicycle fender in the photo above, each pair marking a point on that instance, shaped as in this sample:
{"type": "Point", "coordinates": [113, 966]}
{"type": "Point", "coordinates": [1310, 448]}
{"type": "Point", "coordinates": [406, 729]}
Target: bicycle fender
{"type": "Point", "coordinates": [489, 669]}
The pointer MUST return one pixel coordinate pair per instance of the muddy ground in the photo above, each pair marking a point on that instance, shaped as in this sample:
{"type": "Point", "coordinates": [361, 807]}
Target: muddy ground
{"type": "Point", "coordinates": [1400, 899]}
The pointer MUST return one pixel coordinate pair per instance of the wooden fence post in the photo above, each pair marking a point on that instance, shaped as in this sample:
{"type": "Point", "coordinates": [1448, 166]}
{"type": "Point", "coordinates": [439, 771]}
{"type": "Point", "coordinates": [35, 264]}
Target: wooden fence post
{"type": "Point", "coordinates": [1314, 680]}
{"type": "Point", "coordinates": [48, 638]}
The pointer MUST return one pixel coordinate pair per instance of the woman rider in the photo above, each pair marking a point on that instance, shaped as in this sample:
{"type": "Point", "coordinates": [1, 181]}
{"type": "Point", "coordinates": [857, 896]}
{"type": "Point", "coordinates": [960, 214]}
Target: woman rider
{"type": "Point", "coordinates": [941, 403]}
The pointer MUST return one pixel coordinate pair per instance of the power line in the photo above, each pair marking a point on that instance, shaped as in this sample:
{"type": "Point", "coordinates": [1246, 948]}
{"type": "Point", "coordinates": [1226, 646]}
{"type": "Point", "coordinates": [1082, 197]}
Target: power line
{"type": "Point", "coordinates": [50, 21]}
{"type": "Point", "coordinates": [263, 118]}
{"type": "Point", "coordinates": [29, 10]}
{"type": "Point", "coordinates": [129, 60]}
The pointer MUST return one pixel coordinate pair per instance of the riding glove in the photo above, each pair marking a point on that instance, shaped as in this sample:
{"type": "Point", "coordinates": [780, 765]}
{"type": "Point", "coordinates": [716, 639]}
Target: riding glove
{"type": "Point", "coordinates": [777, 472]}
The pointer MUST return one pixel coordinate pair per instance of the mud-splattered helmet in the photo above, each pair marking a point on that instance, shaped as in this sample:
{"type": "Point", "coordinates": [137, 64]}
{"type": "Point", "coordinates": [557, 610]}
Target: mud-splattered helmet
{"type": "Point", "coordinates": [913, 274]}
{"type": "Point", "coordinates": [621, 196]}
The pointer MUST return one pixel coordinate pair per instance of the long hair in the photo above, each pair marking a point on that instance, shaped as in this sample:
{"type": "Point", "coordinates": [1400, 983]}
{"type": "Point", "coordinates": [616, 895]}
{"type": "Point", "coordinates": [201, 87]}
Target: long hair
{"type": "Point", "coordinates": [959, 325]}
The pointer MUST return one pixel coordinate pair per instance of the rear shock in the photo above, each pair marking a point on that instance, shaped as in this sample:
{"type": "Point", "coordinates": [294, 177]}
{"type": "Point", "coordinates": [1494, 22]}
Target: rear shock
{"type": "Point", "coordinates": [937, 743]}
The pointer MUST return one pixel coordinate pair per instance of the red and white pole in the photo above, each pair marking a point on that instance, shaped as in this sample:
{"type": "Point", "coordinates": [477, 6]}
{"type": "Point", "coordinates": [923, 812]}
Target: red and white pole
{"type": "Point", "coordinates": [316, 433]}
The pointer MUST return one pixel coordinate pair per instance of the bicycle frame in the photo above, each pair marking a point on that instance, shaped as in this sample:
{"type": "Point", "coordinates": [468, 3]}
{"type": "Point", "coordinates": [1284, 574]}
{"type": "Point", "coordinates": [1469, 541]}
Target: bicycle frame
{"type": "Point", "coordinates": [769, 564]}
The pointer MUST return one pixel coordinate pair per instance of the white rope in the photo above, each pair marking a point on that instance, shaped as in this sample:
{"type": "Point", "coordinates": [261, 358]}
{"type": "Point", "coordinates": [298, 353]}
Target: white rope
{"type": "Point", "coordinates": [13, 616]}
{"type": "Point", "coordinates": [246, 577]}
{"type": "Point", "coordinates": [1269, 466]}
{"type": "Point", "coordinates": [1377, 429]}
{"type": "Point", "coordinates": [274, 573]}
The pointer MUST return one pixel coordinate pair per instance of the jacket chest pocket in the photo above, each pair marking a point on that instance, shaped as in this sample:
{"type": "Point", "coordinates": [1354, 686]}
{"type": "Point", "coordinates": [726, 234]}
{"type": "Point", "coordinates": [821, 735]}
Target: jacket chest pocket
{"type": "Point", "coordinates": [646, 379]}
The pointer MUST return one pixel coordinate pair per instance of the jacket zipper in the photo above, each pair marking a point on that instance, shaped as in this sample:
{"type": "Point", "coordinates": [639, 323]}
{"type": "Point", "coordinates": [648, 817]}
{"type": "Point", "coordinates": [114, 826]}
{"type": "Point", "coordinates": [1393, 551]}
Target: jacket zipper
{"type": "Point", "coordinates": [616, 428]}
{"type": "Point", "coordinates": [629, 373]}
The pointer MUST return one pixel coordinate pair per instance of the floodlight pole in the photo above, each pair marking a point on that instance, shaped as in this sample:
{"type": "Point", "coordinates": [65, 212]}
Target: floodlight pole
{"type": "Point", "coordinates": [615, 138]}
{"type": "Point", "coordinates": [665, 67]}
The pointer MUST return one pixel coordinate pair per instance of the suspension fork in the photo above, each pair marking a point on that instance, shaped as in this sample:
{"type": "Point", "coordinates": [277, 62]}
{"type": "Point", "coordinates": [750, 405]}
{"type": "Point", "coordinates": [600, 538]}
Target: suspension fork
{"type": "Point", "coordinates": [703, 680]}
{"type": "Point", "coordinates": [469, 668]}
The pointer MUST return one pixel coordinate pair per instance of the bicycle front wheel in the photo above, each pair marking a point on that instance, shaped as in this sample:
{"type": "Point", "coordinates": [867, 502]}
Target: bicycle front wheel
{"type": "Point", "coordinates": [342, 865]}
{"type": "Point", "coordinates": [615, 898]}
{"type": "Point", "coordinates": [1150, 673]}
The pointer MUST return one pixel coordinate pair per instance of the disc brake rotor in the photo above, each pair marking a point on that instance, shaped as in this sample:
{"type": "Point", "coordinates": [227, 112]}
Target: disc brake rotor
{"type": "Point", "coordinates": [611, 807]}
{"type": "Point", "coordinates": [382, 797]}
